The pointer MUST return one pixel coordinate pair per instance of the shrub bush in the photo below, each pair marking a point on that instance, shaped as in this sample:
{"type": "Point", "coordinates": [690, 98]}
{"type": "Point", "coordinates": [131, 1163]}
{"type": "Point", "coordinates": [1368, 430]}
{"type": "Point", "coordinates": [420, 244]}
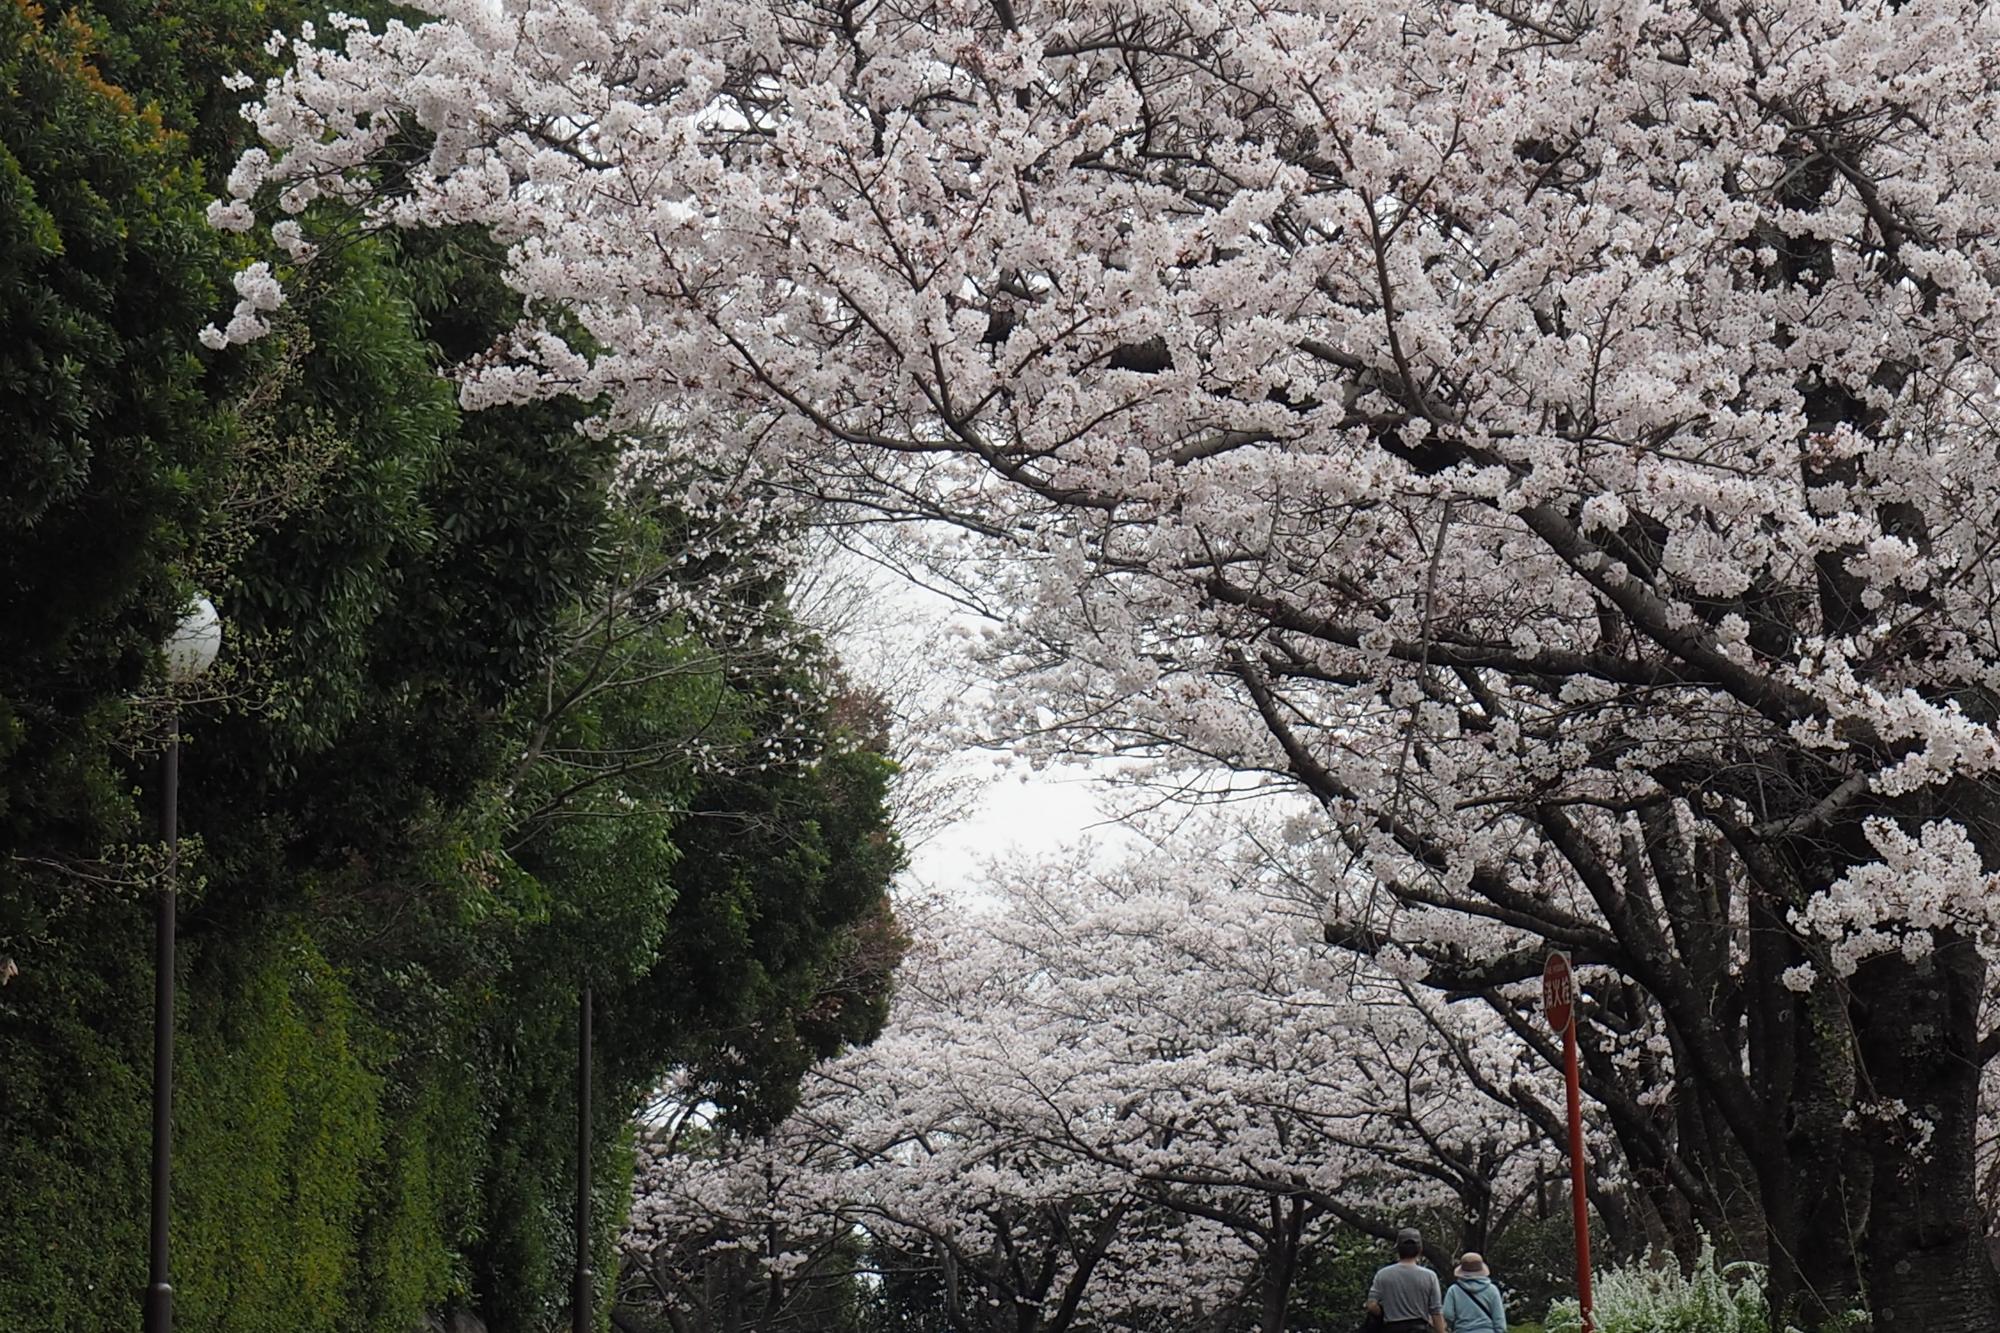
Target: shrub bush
{"type": "Point", "coordinates": [1725, 1299]}
{"type": "Point", "coordinates": [277, 1131]}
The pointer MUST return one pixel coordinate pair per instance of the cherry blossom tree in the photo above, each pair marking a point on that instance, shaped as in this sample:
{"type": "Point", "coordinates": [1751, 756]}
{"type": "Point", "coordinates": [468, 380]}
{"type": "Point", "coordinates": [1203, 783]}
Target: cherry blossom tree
{"type": "Point", "coordinates": [1144, 1099]}
{"type": "Point", "coordinates": [732, 1233]}
{"type": "Point", "coordinates": [1557, 438]}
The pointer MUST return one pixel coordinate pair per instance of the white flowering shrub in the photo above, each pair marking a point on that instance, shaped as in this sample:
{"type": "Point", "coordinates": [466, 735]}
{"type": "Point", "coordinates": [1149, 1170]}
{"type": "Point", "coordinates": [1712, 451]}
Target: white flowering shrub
{"type": "Point", "coordinates": [1728, 1299]}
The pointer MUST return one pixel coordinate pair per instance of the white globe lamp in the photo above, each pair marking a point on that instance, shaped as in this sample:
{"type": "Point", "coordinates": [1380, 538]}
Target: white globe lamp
{"type": "Point", "coordinates": [195, 641]}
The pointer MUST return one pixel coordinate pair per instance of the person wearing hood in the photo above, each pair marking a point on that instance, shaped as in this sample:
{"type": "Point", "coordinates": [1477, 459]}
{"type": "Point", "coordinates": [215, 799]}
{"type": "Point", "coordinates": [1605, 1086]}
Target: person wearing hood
{"type": "Point", "coordinates": [1473, 1304]}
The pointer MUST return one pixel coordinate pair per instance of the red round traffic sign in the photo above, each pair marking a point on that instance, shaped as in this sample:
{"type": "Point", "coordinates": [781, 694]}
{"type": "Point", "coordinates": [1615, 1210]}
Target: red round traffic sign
{"type": "Point", "coordinates": [1558, 992]}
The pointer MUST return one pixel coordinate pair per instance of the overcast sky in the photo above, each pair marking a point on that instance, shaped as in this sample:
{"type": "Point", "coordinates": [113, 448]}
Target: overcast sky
{"type": "Point", "coordinates": [914, 646]}
{"type": "Point", "coordinates": [1023, 812]}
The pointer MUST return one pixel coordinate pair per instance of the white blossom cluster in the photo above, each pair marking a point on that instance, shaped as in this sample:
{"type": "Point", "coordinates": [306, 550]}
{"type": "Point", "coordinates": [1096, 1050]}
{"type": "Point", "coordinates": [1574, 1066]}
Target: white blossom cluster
{"type": "Point", "coordinates": [1931, 882]}
{"type": "Point", "coordinates": [259, 294]}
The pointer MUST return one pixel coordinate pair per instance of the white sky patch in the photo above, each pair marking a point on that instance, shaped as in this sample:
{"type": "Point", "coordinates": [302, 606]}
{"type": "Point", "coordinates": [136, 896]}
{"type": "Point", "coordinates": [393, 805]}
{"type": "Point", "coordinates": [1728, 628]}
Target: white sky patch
{"type": "Point", "coordinates": [1031, 814]}
{"type": "Point", "coordinates": [964, 804]}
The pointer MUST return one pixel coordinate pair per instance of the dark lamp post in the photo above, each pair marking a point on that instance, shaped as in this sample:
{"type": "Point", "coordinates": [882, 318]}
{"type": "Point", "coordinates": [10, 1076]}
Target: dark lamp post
{"type": "Point", "coordinates": [189, 651]}
{"type": "Point", "coordinates": [585, 1280]}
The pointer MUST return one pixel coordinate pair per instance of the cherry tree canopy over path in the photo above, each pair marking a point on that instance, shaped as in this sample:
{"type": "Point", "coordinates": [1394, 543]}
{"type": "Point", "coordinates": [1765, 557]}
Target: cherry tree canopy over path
{"type": "Point", "coordinates": [1559, 437]}
{"type": "Point", "coordinates": [1140, 1103]}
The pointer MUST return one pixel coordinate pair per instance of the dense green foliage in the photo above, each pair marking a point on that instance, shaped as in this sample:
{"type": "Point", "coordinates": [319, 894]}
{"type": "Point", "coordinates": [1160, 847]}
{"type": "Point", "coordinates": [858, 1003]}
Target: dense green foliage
{"type": "Point", "coordinates": [730, 920]}
{"type": "Point", "coordinates": [279, 1128]}
{"type": "Point", "coordinates": [104, 266]}
{"type": "Point", "coordinates": [1333, 1277]}
{"type": "Point", "coordinates": [412, 845]}
{"type": "Point", "coordinates": [73, 1106]}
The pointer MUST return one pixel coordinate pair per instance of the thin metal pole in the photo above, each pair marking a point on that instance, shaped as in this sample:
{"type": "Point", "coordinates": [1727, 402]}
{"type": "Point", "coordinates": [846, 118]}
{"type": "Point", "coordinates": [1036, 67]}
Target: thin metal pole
{"type": "Point", "coordinates": [159, 1290]}
{"type": "Point", "coordinates": [581, 1304]}
{"type": "Point", "coordinates": [1579, 1201]}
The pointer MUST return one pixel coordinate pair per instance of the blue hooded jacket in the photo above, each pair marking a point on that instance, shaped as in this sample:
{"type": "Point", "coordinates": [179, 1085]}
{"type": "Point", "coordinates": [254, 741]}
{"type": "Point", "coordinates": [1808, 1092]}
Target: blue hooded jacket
{"type": "Point", "coordinates": [1474, 1305]}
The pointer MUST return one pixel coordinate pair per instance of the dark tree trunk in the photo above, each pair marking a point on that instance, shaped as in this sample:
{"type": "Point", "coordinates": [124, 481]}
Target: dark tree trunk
{"type": "Point", "coordinates": [1924, 1252]}
{"type": "Point", "coordinates": [1814, 1274]}
{"type": "Point", "coordinates": [732, 1313]}
{"type": "Point", "coordinates": [1725, 1162]}
{"type": "Point", "coordinates": [1281, 1262]}
{"type": "Point", "coordinates": [1804, 1070]}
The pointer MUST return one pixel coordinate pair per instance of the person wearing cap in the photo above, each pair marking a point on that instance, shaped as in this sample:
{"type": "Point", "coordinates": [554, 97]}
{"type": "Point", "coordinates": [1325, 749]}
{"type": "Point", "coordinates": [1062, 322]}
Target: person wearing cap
{"type": "Point", "coordinates": [1405, 1293]}
{"type": "Point", "coordinates": [1474, 1305]}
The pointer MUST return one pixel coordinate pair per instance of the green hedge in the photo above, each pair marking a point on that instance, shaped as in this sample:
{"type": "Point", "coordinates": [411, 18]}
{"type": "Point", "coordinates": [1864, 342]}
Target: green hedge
{"type": "Point", "coordinates": [75, 1124]}
{"type": "Point", "coordinates": [278, 1125]}
{"type": "Point", "coordinates": [418, 1207]}
{"type": "Point", "coordinates": [304, 1200]}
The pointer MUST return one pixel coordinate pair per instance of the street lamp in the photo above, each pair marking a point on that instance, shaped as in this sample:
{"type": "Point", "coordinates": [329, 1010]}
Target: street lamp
{"type": "Point", "coordinates": [189, 650]}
